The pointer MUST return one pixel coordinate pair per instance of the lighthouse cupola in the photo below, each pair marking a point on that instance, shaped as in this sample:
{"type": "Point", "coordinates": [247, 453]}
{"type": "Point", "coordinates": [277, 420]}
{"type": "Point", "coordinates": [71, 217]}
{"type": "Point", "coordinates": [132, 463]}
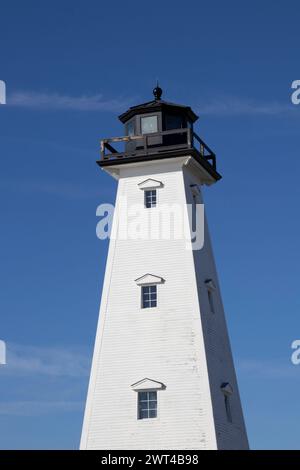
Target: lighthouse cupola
{"type": "Point", "coordinates": [158, 129]}
{"type": "Point", "coordinates": [157, 116]}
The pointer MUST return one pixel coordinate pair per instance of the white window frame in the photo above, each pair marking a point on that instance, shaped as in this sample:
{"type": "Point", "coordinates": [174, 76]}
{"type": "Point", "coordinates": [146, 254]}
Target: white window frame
{"type": "Point", "coordinates": [148, 385]}
{"type": "Point", "coordinates": [149, 280]}
{"type": "Point", "coordinates": [150, 185]}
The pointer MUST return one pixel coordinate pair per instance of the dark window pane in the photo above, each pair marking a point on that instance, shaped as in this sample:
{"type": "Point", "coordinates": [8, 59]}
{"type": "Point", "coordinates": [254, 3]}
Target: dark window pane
{"type": "Point", "coordinates": [150, 198]}
{"type": "Point", "coordinates": [147, 405]}
{"type": "Point", "coordinates": [228, 409]}
{"type": "Point", "coordinates": [143, 396]}
{"type": "Point", "coordinates": [143, 414]}
{"type": "Point", "coordinates": [152, 413]}
{"type": "Point", "coordinates": [152, 405]}
{"type": "Point", "coordinates": [149, 296]}
{"type": "Point", "coordinates": [211, 301]}
{"type": "Point", "coordinates": [173, 121]}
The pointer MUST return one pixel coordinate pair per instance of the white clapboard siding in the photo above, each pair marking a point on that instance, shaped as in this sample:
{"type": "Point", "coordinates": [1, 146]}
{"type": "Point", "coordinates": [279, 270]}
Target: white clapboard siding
{"type": "Point", "coordinates": [180, 344]}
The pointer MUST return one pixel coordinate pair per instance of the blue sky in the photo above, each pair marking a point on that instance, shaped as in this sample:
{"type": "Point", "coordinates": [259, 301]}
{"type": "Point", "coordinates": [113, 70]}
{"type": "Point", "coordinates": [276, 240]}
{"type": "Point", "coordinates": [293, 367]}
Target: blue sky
{"type": "Point", "coordinates": [70, 69]}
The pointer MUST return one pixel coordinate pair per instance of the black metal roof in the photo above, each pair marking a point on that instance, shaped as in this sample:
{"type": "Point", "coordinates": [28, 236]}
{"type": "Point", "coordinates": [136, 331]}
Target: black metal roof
{"type": "Point", "coordinates": [158, 105]}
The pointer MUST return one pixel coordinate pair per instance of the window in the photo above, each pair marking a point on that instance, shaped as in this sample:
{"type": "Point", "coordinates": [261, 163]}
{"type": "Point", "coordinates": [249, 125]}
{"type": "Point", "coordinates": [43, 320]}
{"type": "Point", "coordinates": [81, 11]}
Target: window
{"type": "Point", "coordinates": [227, 390]}
{"type": "Point", "coordinates": [211, 301]}
{"type": "Point", "coordinates": [150, 198]}
{"type": "Point", "coordinates": [130, 128]}
{"type": "Point", "coordinates": [149, 124]}
{"type": "Point", "coordinates": [173, 121]}
{"type": "Point", "coordinates": [149, 296]}
{"type": "Point", "coordinates": [210, 286]}
{"type": "Point", "coordinates": [147, 405]}
{"type": "Point", "coordinates": [228, 408]}
{"type": "Point", "coordinates": [194, 214]}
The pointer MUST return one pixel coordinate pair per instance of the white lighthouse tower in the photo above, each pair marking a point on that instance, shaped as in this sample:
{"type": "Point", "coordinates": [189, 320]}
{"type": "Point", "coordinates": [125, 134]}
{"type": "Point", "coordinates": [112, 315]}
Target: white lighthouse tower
{"type": "Point", "coordinates": [162, 373]}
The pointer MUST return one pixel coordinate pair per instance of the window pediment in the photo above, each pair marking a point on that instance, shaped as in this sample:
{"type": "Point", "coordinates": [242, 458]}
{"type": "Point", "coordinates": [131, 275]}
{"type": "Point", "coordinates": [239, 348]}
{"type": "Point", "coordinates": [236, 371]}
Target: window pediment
{"type": "Point", "coordinates": [149, 279]}
{"type": "Point", "coordinates": [147, 384]}
{"type": "Point", "coordinates": [210, 285]}
{"type": "Point", "coordinates": [195, 190]}
{"type": "Point", "coordinates": [226, 388]}
{"type": "Point", "coordinates": [150, 184]}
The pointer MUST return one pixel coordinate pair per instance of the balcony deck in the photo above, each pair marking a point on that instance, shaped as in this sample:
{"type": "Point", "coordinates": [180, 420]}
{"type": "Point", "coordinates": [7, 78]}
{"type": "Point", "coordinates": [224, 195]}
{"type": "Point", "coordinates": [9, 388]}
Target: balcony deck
{"type": "Point", "coordinates": [158, 145]}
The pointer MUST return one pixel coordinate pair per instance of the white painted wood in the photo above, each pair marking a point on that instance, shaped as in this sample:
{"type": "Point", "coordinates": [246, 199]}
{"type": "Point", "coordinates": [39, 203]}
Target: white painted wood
{"type": "Point", "coordinates": [149, 279]}
{"type": "Point", "coordinates": [180, 343]}
{"type": "Point", "coordinates": [147, 384]}
{"type": "Point", "coordinates": [150, 184]}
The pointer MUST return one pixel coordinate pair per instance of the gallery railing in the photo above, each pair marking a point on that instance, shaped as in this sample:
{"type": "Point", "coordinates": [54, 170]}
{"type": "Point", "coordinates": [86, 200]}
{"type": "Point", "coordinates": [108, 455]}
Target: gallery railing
{"type": "Point", "coordinates": [158, 142]}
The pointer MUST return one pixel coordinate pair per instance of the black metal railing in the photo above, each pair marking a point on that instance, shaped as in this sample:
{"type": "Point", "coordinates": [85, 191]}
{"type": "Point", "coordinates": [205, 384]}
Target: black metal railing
{"type": "Point", "coordinates": [149, 144]}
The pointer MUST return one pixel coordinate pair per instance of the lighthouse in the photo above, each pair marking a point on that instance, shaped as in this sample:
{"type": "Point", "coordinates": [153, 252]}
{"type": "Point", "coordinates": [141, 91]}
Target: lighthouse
{"type": "Point", "coordinates": [162, 373]}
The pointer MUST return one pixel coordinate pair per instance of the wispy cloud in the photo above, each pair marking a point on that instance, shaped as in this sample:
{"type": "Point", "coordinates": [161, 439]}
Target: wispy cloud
{"type": "Point", "coordinates": [37, 408]}
{"type": "Point", "coordinates": [50, 361]}
{"type": "Point", "coordinates": [234, 106]}
{"type": "Point", "coordinates": [63, 189]}
{"type": "Point", "coordinates": [268, 369]}
{"type": "Point", "coordinates": [219, 106]}
{"type": "Point", "coordinates": [56, 101]}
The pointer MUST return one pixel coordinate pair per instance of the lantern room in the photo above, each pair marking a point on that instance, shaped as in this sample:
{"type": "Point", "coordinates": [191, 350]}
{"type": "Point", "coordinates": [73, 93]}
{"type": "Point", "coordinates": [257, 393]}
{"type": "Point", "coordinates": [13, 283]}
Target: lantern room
{"type": "Point", "coordinates": [157, 129]}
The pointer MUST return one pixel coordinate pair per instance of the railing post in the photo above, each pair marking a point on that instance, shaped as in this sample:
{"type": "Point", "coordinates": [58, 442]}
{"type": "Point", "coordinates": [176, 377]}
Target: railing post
{"type": "Point", "coordinates": [193, 141]}
{"type": "Point", "coordinates": [189, 138]}
{"type": "Point", "coordinates": [214, 163]}
{"type": "Point", "coordinates": [202, 150]}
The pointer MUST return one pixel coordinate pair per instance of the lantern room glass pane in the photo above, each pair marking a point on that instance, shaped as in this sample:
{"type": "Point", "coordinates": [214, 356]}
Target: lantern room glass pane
{"type": "Point", "coordinates": [173, 121]}
{"type": "Point", "coordinates": [130, 128]}
{"type": "Point", "coordinates": [149, 124]}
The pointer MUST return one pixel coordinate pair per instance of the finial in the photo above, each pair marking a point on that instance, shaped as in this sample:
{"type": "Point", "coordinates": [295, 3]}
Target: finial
{"type": "Point", "coordinates": [157, 92]}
